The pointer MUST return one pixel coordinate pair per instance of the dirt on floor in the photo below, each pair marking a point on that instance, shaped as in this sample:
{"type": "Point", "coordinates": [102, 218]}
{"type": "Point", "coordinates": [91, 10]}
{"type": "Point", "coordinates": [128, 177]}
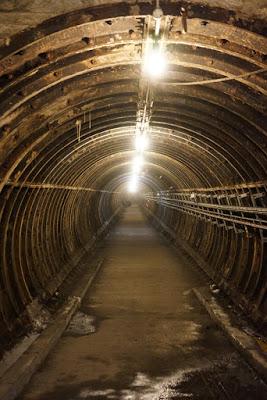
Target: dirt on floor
{"type": "Point", "coordinates": [141, 334]}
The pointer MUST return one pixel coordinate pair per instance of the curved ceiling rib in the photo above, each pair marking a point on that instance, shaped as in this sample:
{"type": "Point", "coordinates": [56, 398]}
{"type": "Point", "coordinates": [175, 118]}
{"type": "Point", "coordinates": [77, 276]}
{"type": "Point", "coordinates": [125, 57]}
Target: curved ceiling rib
{"type": "Point", "coordinates": [207, 138]}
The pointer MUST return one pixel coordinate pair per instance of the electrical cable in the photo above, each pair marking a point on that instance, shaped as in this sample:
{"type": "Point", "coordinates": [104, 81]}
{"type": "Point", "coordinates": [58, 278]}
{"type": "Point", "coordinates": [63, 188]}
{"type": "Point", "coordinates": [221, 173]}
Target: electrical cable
{"type": "Point", "coordinates": [207, 81]}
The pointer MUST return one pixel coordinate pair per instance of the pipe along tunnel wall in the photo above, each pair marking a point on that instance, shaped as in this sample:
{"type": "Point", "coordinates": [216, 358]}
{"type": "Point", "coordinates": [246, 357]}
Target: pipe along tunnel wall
{"type": "Point", "coordinates": [205, 171]}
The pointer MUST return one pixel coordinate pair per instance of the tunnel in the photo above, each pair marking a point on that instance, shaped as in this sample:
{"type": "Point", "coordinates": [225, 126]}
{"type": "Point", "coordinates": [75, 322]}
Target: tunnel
{"type": "Point", "coordinates": [75, 96]}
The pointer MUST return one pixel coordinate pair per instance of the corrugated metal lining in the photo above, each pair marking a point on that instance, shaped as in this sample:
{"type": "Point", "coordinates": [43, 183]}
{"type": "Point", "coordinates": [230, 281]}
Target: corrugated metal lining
{"type": "Point", "coordinates": [85, 66]}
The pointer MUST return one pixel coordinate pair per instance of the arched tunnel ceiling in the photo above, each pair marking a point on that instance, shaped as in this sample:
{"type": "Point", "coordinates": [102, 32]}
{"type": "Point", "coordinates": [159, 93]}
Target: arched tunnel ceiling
{"type": "Point", "coordinates": [17, 16]}
{"type": "Point", "coordinates": [88, 60]}
{"type": "Point", "coordinates": [82, 60]}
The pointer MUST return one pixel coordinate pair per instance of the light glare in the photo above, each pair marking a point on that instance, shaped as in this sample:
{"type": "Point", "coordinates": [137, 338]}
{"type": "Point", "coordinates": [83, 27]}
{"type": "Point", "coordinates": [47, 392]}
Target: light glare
{"type": "Point", "coordinates": [137, 162]}
{"type": "Point", "coordinates": [133, 184]}
{"type": "Point", "coordinates": [141, 142]}
{"type": "Point", "coordinates": [155, 63]}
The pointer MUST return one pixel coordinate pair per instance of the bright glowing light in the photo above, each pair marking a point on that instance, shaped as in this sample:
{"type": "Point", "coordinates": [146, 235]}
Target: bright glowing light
{"type": "Point", "coordinates": [138, 162]}
{"type": "Point", "coordinates": [141, 142]}
{"type": "Point", "coordinates": [136, 168]}
{"type": "Point", "coordinates": [133, 184]}
{"type": "Point", "coordinates": [157, 26]}
{"type": "Point", "coordinates": [154, 63]}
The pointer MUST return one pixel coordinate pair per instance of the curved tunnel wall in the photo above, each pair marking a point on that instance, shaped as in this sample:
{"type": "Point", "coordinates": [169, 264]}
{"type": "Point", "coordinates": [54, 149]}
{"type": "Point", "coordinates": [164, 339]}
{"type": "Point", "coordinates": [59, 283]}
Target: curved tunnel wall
{"type": "Point", "coordinates": [206, 140]}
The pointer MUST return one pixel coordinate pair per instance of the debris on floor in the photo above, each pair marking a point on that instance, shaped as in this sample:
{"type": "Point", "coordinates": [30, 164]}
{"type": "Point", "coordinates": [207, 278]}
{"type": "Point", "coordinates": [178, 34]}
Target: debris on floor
{"type": "Point", "coordinates": [81, 324]}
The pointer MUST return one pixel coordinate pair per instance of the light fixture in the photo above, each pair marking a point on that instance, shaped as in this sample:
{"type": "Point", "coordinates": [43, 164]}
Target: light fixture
{"type": "Point", "coordinates": [155, 61]}
{"type": "Point", "coordinates": [153, 66]}
{"type": "Point", "coordinates": [133, 184]}
{"type": "Point", "coordinates": [141, 142]}
{"type": "Point", "coordinates": [136, 168]}
{"type": "Point", "coordinates": [138, 162]}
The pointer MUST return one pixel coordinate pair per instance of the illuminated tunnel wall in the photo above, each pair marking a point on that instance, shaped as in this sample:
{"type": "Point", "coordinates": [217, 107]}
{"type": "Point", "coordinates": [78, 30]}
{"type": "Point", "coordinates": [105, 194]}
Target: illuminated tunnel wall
{"type": "Point", "coordinates": [66, 61]}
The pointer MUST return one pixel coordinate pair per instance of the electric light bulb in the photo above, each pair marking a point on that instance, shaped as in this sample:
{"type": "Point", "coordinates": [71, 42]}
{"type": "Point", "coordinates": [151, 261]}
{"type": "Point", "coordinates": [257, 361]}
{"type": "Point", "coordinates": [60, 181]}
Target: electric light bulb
{"type": "Point", "coordinates": [138, 162]}
{"type": "Point", "coordinates": [133, 184]}
{"type": "Point", "coordinates": [155, 63]}
{"type": "Point", "coordinates": [141, 143]}
{"type": "Point", "coordinates": [136, 168]}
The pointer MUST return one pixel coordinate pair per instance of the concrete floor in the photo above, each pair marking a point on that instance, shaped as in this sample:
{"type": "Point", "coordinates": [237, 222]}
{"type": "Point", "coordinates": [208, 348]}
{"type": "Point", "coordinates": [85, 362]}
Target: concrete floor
{"type": "Point", "coordinates": [141, 334]}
